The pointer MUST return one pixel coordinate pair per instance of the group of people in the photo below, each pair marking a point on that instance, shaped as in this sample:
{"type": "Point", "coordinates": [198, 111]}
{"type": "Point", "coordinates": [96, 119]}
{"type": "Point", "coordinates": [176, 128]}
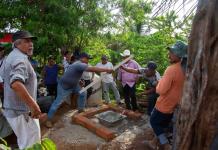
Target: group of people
{"type": "Point", "coordinates": [20, 86]}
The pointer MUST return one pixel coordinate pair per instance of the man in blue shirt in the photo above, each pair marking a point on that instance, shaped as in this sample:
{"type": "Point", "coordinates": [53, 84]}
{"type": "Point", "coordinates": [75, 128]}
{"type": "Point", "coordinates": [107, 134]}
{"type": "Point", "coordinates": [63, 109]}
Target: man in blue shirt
{"type": "Point", "coordinates": [69, 83]}
{"type": "Point", "coordinates": [50, 76]}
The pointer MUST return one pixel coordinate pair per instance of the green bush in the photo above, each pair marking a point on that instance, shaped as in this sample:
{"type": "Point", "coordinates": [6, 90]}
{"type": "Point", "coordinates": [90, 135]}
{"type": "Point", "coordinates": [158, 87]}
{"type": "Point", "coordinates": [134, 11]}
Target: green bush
{"type": "Point", "coordinates": [46, 144]}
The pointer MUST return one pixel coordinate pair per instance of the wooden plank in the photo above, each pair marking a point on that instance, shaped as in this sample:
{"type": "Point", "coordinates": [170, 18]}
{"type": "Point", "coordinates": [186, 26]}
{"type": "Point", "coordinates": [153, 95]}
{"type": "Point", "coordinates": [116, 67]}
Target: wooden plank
{"type": "Point", "coordinates": [98, 80]}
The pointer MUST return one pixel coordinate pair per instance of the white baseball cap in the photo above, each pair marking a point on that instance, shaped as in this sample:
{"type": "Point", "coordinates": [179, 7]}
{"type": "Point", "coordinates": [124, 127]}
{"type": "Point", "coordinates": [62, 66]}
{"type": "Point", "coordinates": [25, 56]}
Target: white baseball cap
{"type": "Point", "coordinates": [125, 53]}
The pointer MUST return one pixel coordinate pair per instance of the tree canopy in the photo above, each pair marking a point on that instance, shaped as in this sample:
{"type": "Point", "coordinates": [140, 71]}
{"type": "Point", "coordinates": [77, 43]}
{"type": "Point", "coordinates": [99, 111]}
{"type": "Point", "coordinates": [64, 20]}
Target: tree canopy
{"type": "Point", "coordinates": [97, 26]}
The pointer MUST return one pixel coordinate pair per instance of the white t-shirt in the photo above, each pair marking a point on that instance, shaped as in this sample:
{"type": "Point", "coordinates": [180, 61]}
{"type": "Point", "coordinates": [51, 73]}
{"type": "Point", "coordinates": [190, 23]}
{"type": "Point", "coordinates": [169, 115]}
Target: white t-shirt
{"type": "Point", "coordinates": [87, 75]}
{"type": "Point", "coordinates": [106, 77]}
{"type": "Point", "coordinates": [65, 64]}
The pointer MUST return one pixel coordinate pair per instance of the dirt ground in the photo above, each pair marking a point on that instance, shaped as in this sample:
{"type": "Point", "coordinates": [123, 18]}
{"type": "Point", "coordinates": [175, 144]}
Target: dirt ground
{"type": "Point", "coordinates": [131, 134]}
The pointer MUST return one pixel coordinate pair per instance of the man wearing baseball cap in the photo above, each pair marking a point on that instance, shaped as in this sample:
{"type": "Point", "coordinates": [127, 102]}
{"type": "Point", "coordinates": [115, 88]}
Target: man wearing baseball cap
{"type": "Point", "coordinates": [170, 88]}
{"type": "Point", "coordinates": [70, 83]}
{"type": "Point", "coordinates": [87, 77]}
{"type": "Point", "coordinates": [108, 81]}
{"type": "Point", "coordinates": [20, 86]}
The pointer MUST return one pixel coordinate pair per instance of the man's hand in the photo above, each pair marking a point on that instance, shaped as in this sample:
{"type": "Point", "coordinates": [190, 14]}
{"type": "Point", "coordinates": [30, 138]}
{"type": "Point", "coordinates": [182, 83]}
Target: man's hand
{"type": "Point", "coordinates": [122, 67]}
{"type": "Point", "coordinates": [82, 83]}
{"type": "Point", "coordinates": [35, 111]}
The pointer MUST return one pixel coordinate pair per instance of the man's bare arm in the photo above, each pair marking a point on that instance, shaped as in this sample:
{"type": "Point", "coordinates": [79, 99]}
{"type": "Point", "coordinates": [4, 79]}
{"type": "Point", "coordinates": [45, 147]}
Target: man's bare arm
{"type": "Point", "coordinates": [96, 69]}
{"type": "Point", "coordinates": [130, 70]}
{"type": "Point", "coordinates": [22, 92]}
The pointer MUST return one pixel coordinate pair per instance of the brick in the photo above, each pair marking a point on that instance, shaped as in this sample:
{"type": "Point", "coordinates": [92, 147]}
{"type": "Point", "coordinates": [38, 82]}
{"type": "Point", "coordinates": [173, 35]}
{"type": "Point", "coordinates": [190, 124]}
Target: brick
{"type": "Point", "coordinates": [105, 133]}
{"type": "Point", "coordinates": [133, 115]}
{"type": "Point", "coordinates": [137, 115]}
{"type": "Point", "coordinates": [92, 126]}
{"type": "Point", "coordinates": [93, 112]}
{"type": "Point", "coordinates": [117, 109]}
{"type": "Point", "coordinates": [74, 118]}
{"type": "Point", "coordinates": [81, 120]}
{"type": "Point", "coordinates": [130, 114]}
{"type": "Point", "coordinates": [90, 112]}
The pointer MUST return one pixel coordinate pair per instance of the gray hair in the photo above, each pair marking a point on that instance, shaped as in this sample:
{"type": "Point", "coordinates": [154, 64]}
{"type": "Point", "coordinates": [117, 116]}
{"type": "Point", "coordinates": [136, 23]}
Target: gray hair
{"type": "Point", "coordinates": [15, 43]}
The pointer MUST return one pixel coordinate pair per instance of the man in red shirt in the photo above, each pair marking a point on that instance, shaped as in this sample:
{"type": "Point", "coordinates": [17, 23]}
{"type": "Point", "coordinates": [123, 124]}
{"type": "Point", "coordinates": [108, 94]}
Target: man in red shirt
{"type": "Point", "coordinates": [170, 89]}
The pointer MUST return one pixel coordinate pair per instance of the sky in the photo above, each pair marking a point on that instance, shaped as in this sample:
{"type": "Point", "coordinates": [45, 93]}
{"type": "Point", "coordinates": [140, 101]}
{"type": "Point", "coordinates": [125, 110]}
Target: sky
{"type": "Point", "coordinates": [182, 8]}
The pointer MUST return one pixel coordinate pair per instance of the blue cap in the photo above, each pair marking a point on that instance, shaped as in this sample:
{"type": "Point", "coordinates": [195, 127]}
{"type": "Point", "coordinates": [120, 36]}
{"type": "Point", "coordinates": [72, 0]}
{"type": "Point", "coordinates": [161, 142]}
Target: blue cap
{"type": "Point", "coordinates": [151, 65]}
{"type": "Point", "coordinates": [82, 55]}
{"type": "Point", "coordinates": [104, 57]}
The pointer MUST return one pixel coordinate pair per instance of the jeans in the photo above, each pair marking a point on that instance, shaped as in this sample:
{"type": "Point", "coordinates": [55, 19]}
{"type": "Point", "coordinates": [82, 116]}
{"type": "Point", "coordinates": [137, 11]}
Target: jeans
{"type": "Point", "coordinates": [152, 98]}
{"type": "Point", "coordinates": [113, 86]}
{"type": "Point", "coordinates": [130, 97]}
{"type": "Point", "coordinates": [160, 121]}
{"type": "Point", "coordinates": [61, 94]}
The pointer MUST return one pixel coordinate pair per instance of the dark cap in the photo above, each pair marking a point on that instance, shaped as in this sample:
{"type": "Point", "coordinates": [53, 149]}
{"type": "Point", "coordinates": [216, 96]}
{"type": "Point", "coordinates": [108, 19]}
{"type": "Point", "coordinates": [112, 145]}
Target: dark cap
{"type": "Point", "coordinates": [82, 55]}
{"type": "Point", "coordinates": [22, 35]}
{"type": "Point", "coordinates": [104, 57]}
{"type": "Point", "coordinates": [151, 65]}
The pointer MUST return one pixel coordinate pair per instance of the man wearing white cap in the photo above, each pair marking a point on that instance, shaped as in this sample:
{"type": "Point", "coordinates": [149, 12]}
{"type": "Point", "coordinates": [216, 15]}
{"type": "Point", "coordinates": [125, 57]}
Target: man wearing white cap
{"type": "Point", "coordinates": [128, 81]}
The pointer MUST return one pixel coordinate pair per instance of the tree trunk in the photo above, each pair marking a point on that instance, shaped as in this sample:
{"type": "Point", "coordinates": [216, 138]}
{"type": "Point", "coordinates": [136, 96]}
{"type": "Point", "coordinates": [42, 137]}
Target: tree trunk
{"type": "Point", "coordinates": [197, 121]}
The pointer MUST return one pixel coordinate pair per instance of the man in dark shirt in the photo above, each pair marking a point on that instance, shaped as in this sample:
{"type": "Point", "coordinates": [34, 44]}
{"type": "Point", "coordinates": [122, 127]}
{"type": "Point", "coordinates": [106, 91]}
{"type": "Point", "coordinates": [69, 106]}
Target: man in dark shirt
{"type": "Point", "coordinates": [69, 83]}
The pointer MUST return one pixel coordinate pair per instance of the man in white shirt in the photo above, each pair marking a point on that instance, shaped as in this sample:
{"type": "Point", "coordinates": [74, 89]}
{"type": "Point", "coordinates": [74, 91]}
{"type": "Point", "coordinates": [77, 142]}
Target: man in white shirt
{"type": "Point", "coordinates": [108, 81]}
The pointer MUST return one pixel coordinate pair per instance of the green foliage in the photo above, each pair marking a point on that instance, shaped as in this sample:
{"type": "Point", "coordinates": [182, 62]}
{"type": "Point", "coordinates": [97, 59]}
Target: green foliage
{"type": "Point", "coordinates": [146, 48]}
{"type": "Point", "coordinates": [46, 144]}
{"type": "Point", "coordinates": [135, 14]}
{"type": "Point", "coordinates": [4, 146]}
{"type": "Point", "coordinates": [58, 24]}
{"type": "Point", "coordinates": [69, 25]}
